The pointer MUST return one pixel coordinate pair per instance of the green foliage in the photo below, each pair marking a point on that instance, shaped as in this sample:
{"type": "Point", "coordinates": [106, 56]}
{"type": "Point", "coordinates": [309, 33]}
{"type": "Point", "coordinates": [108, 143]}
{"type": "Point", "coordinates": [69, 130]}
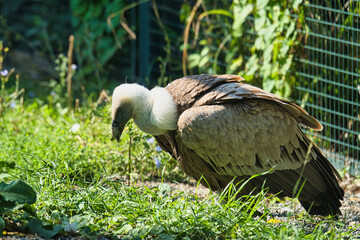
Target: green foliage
{"type": "Point", "coordinates": [7, 99]}
{"type": "Point", "coordinates": [40, 31]}
{"type": "Point", "coordinates": [59, 88]}
{"type": "Point", "coordinates": [15, 195]}
{"type": "Point", "coordinates": [38, 26]}
{"type": "Point", "coordinates": [254, 39]}
{"type": "Point", "coordinates": [97, 42]}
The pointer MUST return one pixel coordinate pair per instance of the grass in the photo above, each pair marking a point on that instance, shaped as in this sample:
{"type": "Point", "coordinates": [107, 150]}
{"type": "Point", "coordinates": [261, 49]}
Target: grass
{"type": "Point", "coordinates": [85, 185]}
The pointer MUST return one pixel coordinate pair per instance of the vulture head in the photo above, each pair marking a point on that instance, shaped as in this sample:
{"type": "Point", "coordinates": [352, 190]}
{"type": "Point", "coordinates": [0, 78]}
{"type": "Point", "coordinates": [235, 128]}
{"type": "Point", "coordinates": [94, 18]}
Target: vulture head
{"type": "Point", "coordinates": [154, 112]}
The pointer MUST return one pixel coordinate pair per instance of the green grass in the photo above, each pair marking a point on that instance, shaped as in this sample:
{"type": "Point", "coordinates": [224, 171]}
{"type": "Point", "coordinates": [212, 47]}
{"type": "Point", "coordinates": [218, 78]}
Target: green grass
{"type": "Point", "coordinates": [81, 181]}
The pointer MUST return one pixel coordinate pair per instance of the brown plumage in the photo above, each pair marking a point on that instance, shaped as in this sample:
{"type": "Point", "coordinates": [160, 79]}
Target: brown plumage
{"type": "Point", "coordinates": [226, 128]}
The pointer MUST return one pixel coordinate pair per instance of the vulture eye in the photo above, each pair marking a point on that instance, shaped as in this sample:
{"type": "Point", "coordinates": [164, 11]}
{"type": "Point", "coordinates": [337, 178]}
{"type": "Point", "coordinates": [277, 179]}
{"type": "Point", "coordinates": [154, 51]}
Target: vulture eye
{"type": "Point", "coordinates": [114, 124]}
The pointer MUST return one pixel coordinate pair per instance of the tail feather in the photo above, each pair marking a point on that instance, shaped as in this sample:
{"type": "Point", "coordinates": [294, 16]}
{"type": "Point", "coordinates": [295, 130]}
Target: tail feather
{"type": "Point", "coordinates": [321, 193]}
{"type": "Point", "coordinates": [328, 201]}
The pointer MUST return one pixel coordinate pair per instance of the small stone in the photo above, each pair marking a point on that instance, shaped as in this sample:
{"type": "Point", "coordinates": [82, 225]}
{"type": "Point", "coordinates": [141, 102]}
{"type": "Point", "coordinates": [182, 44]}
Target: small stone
{"type": "Point", "coordinates": [353, 187]}
{"type": "Point", "coordinates": [344, 185]}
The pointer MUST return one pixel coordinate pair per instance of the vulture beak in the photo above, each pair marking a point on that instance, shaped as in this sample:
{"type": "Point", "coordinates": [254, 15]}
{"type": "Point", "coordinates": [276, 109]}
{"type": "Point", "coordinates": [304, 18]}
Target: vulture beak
{"type": "Point", "coordinates": [122, 115]}
{"type": "Point", "coordinates": [117, 130]}
{"type": "Point", "coordinates": [119, 121]}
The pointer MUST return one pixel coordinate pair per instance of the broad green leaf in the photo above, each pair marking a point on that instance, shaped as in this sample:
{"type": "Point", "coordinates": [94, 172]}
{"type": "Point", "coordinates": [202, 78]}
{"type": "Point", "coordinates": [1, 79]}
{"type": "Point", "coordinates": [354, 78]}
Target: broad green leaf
{"type": "Point", "coordinates": [204, 60]}
{"type": "Point", "coordinates": [6, 206]}
{"type": "Point", "coordinates": [284, 50]}
{"type": "Point", "coordinates": [260, 20]}
{"type": "Point", "coordinates": [193, 60]}
{"type": "Point", "coordinates": [261, 4]}
{"type": "Point", "coordinates": [125, 229]}
{"type": "Point", "coordinates": [230, 55]}
{"type": "Point", "coordinates": [78, 8]}
{"type": "Point", "coordinates": [184, 12]}
{"type": "Point", "coordinates": [269, 32]}
{"type": "Point", "coordinates": [96, 12]}
{"type": "Point", "coordinates": [286, 16]}
{"type": "Point", "coordinates": [235, 64]}
{"type": "Point", "coordinates": [204, 51]}
{"type": "Point", "coordinates": [156, 229]}
{"type": "Point", "coordinates": [268, 53]}
{"type": "Point", "coordinates": [276, 13]}
{"type": "Point", "coordinates": [252, 69]}
{"type": "Point", "coordinates": [17, 191]}
{"type": "Point", "coordinates": [251, 65]}
{"type": "Point", "coordinates": [36, 226]}
{"type": "Point", "coordinates": [290, 30]}
{"type": "Point", "coordinates": [107, 53]}
{"type": "Point", "coordinates": [104, 43]}
{"type": "Point", "coordinates": [166, 237]}
{"type": "Point", "coordinates": [296, 4]}
{"type": "Point", "coordinates": [259, 43]}
{"type": "Point", "coordinates": [285, 67]}
{"type": "Point", "coordinates": [252, 60]}
{"type": "Point", "coordinates": [240, 15]}
{"type": "Point", "coordinates": [268, 84]}
{"type": "Point", "coordinates": [88, 234]}
{"type": "Point", "coordinates": [265, 70]}
{"type": "Point", "coordinates": [275, 70]}
{"type": "Point", "coordinates": [203, 42]}
{"type": "Point", "coordinates": [4, 175]}
{"type": "Point", "coordinates": [287, 92]}
{"type": "Point", "coordinates": [82, 220]}
{"type": "Point", "coordinates": [30, 209]}
{"type": "Point", "coordinates": [2, 225]}
{"type": "Point", "coordinates": [279, 84]}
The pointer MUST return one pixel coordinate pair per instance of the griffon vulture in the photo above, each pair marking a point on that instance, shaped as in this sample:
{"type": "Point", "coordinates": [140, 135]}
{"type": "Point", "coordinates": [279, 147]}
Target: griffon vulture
{"type": "Point", "coordinates": [219, 127]}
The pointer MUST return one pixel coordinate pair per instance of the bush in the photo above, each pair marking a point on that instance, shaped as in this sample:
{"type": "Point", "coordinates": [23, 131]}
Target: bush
{"type": "Point", "coordinates": [255, 39]}
{"type": "Point", "coordinates": [99, 42]}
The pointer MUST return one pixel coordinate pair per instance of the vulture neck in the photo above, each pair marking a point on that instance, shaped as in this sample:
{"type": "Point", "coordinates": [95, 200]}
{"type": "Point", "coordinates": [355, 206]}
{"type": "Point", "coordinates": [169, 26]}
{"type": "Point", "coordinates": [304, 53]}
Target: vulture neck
{"type": "Point", "coordinates": [155, 111]}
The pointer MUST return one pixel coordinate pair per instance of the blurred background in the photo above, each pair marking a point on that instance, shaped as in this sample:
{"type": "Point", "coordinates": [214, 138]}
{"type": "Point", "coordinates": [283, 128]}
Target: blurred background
{"type": "Point", "coordinates": [306, 51]}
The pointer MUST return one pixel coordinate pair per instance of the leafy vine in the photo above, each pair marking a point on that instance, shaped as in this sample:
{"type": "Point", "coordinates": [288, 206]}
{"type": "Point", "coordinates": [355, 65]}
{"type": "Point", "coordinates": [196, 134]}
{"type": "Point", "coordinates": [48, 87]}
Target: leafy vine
{"type": "Point", "coordinates": [254, 38]}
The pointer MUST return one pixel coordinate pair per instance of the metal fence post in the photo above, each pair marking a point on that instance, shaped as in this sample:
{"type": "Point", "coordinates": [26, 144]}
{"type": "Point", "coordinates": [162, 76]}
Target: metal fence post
{"type": "Point", "coordinates": [144, 43]}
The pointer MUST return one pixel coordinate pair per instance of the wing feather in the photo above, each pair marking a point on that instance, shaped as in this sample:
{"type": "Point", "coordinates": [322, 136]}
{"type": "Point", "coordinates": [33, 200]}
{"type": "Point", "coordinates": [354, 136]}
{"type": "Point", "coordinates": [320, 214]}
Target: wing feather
{"type": "Point", "coordinates": [199, 90]}
{"type": "Point", "coordinates": [241, 142]}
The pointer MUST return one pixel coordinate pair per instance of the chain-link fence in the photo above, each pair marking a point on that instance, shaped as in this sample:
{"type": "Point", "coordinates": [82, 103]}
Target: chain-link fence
{"type": "Point", "coordinates": [329, 78]}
